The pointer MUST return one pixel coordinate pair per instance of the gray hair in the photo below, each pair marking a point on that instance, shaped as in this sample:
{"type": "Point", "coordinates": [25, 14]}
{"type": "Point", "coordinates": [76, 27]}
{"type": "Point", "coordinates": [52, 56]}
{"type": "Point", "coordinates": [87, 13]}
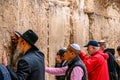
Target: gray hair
{"type": "Point", "coordinates": [97, 48]}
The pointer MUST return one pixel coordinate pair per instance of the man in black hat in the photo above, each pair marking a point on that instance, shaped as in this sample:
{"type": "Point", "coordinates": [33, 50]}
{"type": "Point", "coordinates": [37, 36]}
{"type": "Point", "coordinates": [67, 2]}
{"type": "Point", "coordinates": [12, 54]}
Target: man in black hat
{"type": "Point", "coordinates": [31, 65]}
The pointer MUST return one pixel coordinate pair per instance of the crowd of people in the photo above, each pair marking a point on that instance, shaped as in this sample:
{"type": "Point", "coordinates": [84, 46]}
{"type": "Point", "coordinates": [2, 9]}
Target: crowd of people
{"type": "Point", "coordinates": [99, 63]}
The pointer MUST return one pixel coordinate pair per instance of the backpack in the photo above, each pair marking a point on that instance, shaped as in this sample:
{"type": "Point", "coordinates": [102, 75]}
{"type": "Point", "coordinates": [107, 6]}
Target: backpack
{"type": "Point", "coordinates": [4, 74]}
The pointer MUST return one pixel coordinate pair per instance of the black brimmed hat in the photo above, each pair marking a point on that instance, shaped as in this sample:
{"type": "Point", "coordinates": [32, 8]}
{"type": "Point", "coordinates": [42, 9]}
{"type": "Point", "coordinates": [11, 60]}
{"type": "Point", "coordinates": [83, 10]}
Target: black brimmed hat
{"type": "Point", "coordinates": [29, 36]}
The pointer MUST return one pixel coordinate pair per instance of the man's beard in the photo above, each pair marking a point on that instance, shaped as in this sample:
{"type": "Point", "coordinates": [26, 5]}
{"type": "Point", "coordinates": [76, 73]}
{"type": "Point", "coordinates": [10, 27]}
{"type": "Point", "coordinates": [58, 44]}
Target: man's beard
{"type": "Point", "coordinates": [17, 54]}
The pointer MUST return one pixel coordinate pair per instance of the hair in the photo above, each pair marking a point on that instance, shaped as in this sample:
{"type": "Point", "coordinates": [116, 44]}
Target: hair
{"type": "Point", "coordinates": [110, 50]}
{"type": "Point", "coordinates": [118, 48]}
{"type": "Point", "coordinates": [61, 52]}
{"type": "Point", "coordinates": [97, 48]}
{"type": "Point", "coordinates": [22, 40]}
{"type": "Point", "coordinates": [71, 49]}
{"type": "Point", "coordinates": [102, 43]}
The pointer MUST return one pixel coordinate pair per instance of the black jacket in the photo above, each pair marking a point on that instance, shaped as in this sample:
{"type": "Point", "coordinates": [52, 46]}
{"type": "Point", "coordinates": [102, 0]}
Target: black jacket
{"type": "Point", "coordinates": [75, 62]}
{"type": "Point", "coordinates": [30, 67]}
{"type": "Point", "coordinates": [62, 64]}
{"type": "Point", "coordinates": [113, 67]}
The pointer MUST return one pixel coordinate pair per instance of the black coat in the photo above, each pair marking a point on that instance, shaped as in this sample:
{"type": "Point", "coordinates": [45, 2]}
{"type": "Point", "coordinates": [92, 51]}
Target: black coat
{"type": "Point", "coordinates": [30, 67]}
{"type": "Point", "coordinates": [113, 67]}
{"type": "Point", "coordinates": [62, 64]}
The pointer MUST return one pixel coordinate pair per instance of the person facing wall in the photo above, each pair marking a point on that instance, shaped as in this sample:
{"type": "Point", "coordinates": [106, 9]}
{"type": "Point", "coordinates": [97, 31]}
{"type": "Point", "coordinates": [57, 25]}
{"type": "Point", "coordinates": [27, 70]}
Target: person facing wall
{"type": "Point", "coordinates": [118, 58]}
{"type": "Point", "coordinates": [96, 63]}
{"type": "Point", "coordinates": [75, 70]}
{"type": "Point", "coordinates": [111, 62]}
{"type": "Point", "coordinates": [60, 62]}
{"type": "Point", "coordinates": [31, 65]}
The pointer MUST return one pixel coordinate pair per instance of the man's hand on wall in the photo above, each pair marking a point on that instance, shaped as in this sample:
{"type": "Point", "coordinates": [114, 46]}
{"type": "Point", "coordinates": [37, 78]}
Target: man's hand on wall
{"type": "Point", "coordinates": [4, 58]}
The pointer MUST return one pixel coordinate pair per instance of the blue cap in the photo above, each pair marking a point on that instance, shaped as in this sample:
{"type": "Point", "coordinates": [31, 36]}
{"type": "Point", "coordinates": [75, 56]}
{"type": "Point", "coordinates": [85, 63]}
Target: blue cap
{"type": "Point", "coordinates": [92, 43]}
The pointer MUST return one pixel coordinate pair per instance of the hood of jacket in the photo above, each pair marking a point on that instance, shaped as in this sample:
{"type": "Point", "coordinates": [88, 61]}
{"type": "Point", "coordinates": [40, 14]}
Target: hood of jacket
{"type": "Point", "coordinates": [106, 56]}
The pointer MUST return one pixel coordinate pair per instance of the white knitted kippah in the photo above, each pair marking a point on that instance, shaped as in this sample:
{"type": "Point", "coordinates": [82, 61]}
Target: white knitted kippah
{"type": "Point", "coordinates": [75, 46]}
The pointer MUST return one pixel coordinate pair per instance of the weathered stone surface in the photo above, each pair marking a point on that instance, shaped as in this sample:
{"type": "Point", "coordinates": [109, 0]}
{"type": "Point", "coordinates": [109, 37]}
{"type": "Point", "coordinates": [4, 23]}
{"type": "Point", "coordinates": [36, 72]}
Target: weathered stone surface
{"type": "Point", "coordinates": [60, 22]}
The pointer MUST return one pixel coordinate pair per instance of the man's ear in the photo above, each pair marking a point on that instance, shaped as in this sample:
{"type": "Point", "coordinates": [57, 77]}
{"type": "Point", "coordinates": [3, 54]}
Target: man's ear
{"type": "Point", "coordinates": [72, 53]}
{"type": "Point", "coordinates": [24, 43]}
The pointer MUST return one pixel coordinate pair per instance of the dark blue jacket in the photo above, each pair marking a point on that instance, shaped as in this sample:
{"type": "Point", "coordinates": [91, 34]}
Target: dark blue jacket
{"type": "Point", "coordinates": [4, 74]}
{"type": "Point", "coordinates": [1, 75]}
{"type": "Point", "coordinates": [30, 67]}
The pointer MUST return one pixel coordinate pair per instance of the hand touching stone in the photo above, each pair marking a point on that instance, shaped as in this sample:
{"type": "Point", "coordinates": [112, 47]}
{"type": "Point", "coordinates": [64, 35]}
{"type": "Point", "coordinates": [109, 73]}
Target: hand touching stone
{"type": "Point", "coordinates": [4, 58]}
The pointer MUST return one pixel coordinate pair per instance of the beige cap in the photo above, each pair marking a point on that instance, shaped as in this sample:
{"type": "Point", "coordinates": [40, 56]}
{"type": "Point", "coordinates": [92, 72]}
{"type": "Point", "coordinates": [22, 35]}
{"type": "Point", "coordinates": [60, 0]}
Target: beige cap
{"type": "Point", "coordinates": [101, 41]}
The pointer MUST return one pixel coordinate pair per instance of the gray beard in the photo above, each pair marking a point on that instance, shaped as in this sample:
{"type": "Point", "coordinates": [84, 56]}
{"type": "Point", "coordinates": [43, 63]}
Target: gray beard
{"type": "Point", "coordinates": [17, 55]}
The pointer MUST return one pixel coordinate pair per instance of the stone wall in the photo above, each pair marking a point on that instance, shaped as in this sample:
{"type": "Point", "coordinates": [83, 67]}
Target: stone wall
{"type": "Point", "coordinates": [60, 22]}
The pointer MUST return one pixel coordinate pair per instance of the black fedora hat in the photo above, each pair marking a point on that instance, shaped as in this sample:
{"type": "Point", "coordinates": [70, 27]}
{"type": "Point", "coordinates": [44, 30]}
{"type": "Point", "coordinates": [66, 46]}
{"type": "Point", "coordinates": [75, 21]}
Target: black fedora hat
{"type": "Point", "coordinates": [29, 36]}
